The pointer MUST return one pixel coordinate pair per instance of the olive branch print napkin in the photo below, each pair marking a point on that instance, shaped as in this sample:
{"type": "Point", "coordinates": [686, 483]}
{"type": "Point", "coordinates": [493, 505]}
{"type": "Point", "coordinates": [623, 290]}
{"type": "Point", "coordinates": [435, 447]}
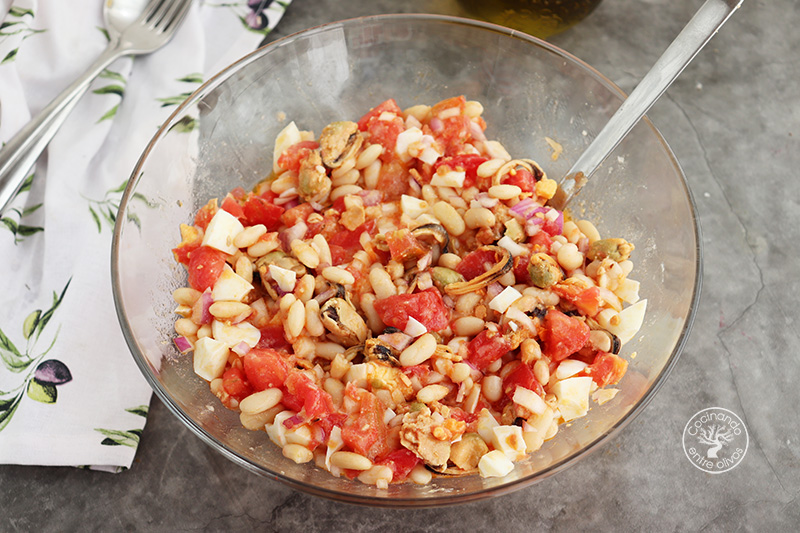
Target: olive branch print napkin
{"type": "Point", "coordinates": [70, 393]}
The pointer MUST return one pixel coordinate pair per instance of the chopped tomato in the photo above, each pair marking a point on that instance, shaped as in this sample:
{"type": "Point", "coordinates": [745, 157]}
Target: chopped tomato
{"type": "Point", "coordinates": [403, 246]}
{"type": "Point", "coordinates": [350, 240]}
{"type": "Point", "coordinates": [235, 383]}
{"type": "Point", "coordinates": [401, 462]}
{"type": "Point", "coordinates": [563, 335]}
{"type": "Point", "coordinates": [456, 101]}
{"type": "Point", "coordinates": [427, 307]}
{"type": "Point", "coordinates": [468, 163]}
{"type": "Point", "coordinates": [607, 369]}
{"type": "Point", "coordinates": [384, 131]}
{"type": "Point", "coordinates": [327, 227]}
{"type": "Point", "coordinates": [486, 348]}
{"type": "Point", "coordinates": [258, 210]}
{"type": "Point", "coordinates": [205, 266]}
{"type": "Point", "coordinates": [420, 371]}
{"type": "Point", "coordinates": [273, 337]}
{"type": "Point", "coordinates": [476, 263]}
{"type": "Point", "coordinates": [393, 180]}
{"type": "Point", "coordinates": [455, 130]}
{"type": "Point", "coordinates": [205, 214]}
{"type": "Point", "coordinates": [367, 434]}
{"type": "Point", "coordinates": [265, 368]}
{"type": "Point", "coordinates": [239, 193]}
{"type": "Point", "coordinates": [192, 239]}
{"type": "Point", "coordinates": [290, 217]}
{"type": "Point", "coordinates": [316, 402]}
{"type": "Point", "coordinates": [184, 251]}
{"type": "Point", "coordinates": [292, 157]}
{"type": "Point", "coordinates": [522, 178]}
{"type": "Point", "coordinates": [389, 105]}
{"type": "Point", "coordinates": [232, 206]}
{"type": "Point", "coordinates": [521, 269]}
{"type": "Point", "coordinates": [587, 301]}
{"type": "Point", "coordinates": [521, 376]}
{"type": "Point", "coordinates": [541, 242]}
{"type": "Point", "coordinates": [459, 414]}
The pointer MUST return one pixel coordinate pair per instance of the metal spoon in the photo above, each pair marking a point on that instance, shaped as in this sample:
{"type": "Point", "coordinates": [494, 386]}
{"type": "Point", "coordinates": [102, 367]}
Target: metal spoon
{"type": "Point", "coordinates": [133, 28]}
{"type": "Point", "coordinates": [694, 36]}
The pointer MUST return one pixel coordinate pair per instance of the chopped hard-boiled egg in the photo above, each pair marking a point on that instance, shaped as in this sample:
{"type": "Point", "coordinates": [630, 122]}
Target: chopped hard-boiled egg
{"type": "Point", "coordinates": [233, 334]}
{"type": "Point", "coordinates": [288, 136]}
{"type": "Point", "coordinates": [221, 231]}
{"type": "Point", "coordinates": [508, 439]}
{"type": "Point", "coordinates": [284, 277]}
{"type": "Point", "coordinates": [513, 248]}
{"type": "Point", "coordinates": [276, 430]}
{"type": "Point", "coordinates": [406, 139]}
{"type": "Point", "coordinates": [454, 178]}
{"type": "Point", "coordinates": [230, 286]}
{"type": "Point", "coordinates": [529, 400]}
{"type": "Point", "coordinates": [413, 207]}
{"type": "Point", "coordinates": [630, 320]}
{"type": "Point", "coordinates": [335, 443]}
{"type": "Point", "coordinates": [210, 356]}
{"type": "Point", "coordinates": [414, 327]}
{"type": "Point", "coordinates": [495, 464]}
{"type": "Point", "coordinates": [602, 396]}
{"type": "Point", "coordinates": [569, 367]}
{"type": "Point", "coordinates": [486, 425]}
{"type": "Point", "coordinates": [503, 301]}
{"type": "Point", "coordinates": [573, 396]}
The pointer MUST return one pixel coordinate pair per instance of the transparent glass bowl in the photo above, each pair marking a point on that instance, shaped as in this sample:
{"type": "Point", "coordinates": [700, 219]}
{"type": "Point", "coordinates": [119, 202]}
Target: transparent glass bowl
{"type": "Point", "coordinates": [222, 137]}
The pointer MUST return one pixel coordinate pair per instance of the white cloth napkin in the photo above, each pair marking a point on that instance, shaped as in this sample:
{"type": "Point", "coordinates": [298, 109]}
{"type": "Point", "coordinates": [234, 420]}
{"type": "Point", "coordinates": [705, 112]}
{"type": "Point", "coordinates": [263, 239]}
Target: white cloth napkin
{"type": "Point", "coordinates": [70, 393]}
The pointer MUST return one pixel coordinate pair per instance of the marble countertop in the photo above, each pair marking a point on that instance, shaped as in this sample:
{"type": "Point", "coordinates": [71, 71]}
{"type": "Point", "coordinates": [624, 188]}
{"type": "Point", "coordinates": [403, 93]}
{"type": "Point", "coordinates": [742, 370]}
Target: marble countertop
{"type": "Point", "coordinates": [733, 120]}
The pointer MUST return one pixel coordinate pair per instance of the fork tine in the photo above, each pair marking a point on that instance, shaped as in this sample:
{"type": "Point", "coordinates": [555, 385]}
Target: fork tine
{"type": "Point", "coordinates": [174, 17]}
{"type": "Point", "coordinates": [160, 14]}
{"type": "Point", "coordinates": [149, 9]}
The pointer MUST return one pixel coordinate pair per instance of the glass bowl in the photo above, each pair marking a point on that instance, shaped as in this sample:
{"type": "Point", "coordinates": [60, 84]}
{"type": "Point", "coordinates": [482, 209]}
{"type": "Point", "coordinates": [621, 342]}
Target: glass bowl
{"type": "Point", "coordinates": [222, 137]}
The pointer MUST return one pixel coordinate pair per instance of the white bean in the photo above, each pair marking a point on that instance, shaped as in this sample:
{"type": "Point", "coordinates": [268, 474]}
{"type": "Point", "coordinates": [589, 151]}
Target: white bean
{"type": "Point", "coordinates": [261, 401]}
{"type": "Point", "coordinates": [419, 352]}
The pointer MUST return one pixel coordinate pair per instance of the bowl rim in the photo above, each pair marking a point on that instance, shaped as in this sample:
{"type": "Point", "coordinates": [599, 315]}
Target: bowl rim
{"type": "Point", "coordinates": [385, 501]}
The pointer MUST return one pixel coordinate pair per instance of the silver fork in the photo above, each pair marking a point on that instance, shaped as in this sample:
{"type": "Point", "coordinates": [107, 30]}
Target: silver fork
{"type": "Point", "coordinates": [152, 30]}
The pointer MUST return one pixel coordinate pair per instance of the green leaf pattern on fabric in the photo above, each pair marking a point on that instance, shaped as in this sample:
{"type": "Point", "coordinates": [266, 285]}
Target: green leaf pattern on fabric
{"type": "Point", "coordinates": [114, 437]}
{"type": "Point", "coordinates": [17, 23]}
{"type": "Point", "coordinates": [41, 377]}
{"type": "Point", "coordinates": [105, 210]}
{"type": "Point", "coordinates": [116, 86]}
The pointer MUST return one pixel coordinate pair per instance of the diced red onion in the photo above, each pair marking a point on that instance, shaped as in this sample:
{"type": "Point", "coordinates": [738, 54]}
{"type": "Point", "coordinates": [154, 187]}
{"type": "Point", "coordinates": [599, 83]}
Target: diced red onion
{"type": "Point", "coordinates": [325, 295]}
{"type": "Point", "coordinates": [494, 289]}
{"type": "Point", "coordinates": [206, 317]}
{"type": "Point", "coordinates": [486, 201]}
{"type": "Point", "coordinates": [183, 344]}
{"type": "Point", "coordinates": [371, 197]}
{"type": "Point", "coordinates": [583, 245]}
{"type": "Point", "coordinates": [476, 131]}
{"type": "Point", "coordinates": [415, 186]}
{"type": "Point", "coordinates": [424, 261]}
{"type": "Point", "coordinates": [292, 421]}
{"type": "Point", "coordinates": [436, 124]}
{"type": "Point", "coordinates": [241, 349]}
{"type": "Point", "coordinates": [532, 227]}
{"type": "Point", "coordinates": [287, 236]}
{"type": "Point", "coordinates": [559, 222]}
{"type": "Point", "coordinates": [526, 208]}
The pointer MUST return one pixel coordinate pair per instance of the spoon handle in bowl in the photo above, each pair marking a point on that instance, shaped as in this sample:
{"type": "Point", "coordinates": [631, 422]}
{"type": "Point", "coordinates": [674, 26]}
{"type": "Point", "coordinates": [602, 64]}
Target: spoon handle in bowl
{"type": "Point", "coordinates": [694, 36]}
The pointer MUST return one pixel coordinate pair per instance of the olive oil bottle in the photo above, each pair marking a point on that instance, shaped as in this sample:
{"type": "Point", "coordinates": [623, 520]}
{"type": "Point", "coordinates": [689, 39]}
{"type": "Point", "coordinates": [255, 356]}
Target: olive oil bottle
{"type": "Point", "coordinates": [540, 18]}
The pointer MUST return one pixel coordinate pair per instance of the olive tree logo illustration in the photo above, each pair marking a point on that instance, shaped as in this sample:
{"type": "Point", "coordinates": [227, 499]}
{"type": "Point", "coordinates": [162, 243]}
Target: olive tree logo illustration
{"type": "Point", "coordinates": [715, 440]}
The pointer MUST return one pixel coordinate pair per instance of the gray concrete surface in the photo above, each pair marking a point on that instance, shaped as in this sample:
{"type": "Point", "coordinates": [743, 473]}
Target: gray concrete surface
{"type": "Point", "coordinates": [733, 121]}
